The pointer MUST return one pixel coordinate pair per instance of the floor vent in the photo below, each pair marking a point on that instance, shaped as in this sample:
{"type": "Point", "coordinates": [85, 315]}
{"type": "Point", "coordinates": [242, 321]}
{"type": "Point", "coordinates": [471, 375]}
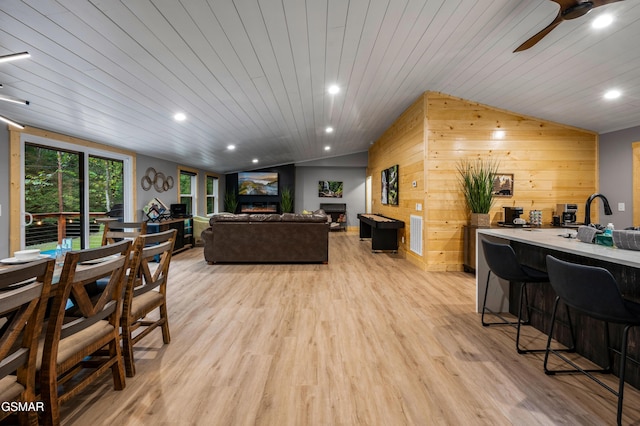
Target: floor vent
{"type": "Point", "coordinates": [415, 234]}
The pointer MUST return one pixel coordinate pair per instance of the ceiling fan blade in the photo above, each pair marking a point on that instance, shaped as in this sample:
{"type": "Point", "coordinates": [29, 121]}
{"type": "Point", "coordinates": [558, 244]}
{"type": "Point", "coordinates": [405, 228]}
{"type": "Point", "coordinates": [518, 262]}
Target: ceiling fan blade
{"type": "Point", "coordinates": [536, 38]}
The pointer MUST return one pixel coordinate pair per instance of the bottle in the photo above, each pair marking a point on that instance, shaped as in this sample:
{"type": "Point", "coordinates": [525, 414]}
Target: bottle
{"type": "Point", "coordinates": [609, 230]}
{"type": "Point", "coordinates": [59, 256]}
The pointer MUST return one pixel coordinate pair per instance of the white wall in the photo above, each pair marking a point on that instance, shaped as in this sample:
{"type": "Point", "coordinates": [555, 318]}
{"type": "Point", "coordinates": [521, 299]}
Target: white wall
{"type": "Point", "coordinates": [169, 197]}
{"type": "Point", "coordinates": [353, 178]}
{"type": "Point", "coordinates": [167, 168]}
{"type": "Point", "coordinates": [616, 175]}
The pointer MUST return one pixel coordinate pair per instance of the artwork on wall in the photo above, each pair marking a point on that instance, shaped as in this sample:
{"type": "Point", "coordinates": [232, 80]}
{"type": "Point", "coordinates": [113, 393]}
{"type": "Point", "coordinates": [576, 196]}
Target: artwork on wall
{"type": "Point", "coordinates": [329, 189]}
{"type": "Point", "coordinates": [390, 178]}
{"type": "Point", "coordinates": [384, 186]}
{"type": "Point", "coordinates": [503, 185]}
{"type": "Point", "coordinates": [393, 178]}
{"type": "Point", "coordinates": [158, 180]}
{"type": "Point", "coordinates": [257, 183]}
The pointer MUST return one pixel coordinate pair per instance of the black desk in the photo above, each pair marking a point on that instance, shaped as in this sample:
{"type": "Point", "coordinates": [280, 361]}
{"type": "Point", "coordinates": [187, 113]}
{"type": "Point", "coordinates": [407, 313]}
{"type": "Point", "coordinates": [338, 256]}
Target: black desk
{"type": "Point", "coordinates": [382, 230]}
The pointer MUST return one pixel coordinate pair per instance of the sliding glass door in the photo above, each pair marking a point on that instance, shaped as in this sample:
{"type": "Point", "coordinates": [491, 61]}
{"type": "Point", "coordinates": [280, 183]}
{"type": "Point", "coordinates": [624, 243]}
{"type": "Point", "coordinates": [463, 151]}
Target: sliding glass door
{"type": "Point", "coordinates": [106, 195]}
{"type": "Point", "coordinates": [69, 191]}
{"type": "Point", "coordinates": [52, 196]}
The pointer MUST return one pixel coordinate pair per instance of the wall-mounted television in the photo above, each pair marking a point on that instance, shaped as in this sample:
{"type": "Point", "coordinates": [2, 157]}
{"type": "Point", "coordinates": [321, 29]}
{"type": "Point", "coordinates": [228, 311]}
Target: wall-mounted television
{"type": "Point", "coordinates": [257, 183]}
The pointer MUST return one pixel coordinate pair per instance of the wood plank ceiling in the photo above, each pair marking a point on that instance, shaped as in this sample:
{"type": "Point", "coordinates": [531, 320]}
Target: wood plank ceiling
{"type": "Point", "coordinates": [254, 73]}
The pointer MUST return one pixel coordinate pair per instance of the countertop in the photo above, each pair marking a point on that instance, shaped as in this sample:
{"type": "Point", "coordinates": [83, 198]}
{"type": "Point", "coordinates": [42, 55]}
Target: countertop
{"type": "Point", "coordinates": [551, 238]}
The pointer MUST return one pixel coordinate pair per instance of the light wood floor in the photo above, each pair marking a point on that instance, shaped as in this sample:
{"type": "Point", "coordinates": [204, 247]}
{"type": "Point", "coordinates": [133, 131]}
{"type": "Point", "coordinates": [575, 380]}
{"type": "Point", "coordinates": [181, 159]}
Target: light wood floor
{"type": "Point", "coordinates": [368, 339]}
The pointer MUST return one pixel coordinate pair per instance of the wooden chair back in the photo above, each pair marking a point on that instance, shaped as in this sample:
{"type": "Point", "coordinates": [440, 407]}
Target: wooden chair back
{"type": "Point", "coordinates": [116, 231]}
{"type": "Point", "coordinates": [24, 292]}
{"type": "Point", "coordinates": [146, 290]}
{"type": "Point", "coordinates": [76, 335]}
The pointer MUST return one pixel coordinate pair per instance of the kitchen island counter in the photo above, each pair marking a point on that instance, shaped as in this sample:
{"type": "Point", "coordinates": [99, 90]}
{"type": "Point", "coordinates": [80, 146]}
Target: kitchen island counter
{"type": "Point", "coordinates": [551, 240]}
{"type": "Point", "coordinates": [532, 247]}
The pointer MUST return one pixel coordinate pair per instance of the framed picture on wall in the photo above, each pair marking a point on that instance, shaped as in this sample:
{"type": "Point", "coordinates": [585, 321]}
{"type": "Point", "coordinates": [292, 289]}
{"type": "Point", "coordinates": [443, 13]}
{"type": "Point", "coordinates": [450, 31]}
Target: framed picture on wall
{"type": "Point", "coordinates": [389, 184]}
{"type": "Point", "coordinates": [384, 186]}
{"type": "Point", "coordinates": [330, 189]}
{"type": "Point", "coordinates": [392, 185]}
{"type": "Point", "coordinates": [503, 185]}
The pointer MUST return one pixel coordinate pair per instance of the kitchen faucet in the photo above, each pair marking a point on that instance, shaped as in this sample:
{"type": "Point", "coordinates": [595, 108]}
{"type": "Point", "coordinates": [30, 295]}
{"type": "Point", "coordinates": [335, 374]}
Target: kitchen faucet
{"type": "Point", "coordinates": [587, 209]}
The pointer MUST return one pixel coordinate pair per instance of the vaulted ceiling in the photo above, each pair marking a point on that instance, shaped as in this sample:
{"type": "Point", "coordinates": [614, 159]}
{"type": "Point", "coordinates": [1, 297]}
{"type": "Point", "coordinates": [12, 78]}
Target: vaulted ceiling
{"type": "Point", "coordinates": [255, 73]}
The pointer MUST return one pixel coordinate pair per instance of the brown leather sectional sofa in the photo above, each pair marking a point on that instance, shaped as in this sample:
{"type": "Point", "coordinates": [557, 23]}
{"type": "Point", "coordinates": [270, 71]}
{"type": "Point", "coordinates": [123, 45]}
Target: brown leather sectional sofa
{"type": "Point", "coordinates": [267, 238]}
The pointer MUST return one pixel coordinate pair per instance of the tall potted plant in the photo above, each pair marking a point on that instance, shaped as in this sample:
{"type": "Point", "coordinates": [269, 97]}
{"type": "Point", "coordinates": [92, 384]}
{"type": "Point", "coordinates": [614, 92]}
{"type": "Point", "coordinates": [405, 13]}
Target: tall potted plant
{"type": "Point", "coordinates": [476, 180]}
{"type": "Point", "coordinates": [286, 200]}
{"type": "Point", "coordinates": [230, 201]}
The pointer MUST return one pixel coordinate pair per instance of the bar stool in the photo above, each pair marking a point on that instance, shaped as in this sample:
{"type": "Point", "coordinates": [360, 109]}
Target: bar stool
{"type": "Point", "coordinates": [503, 263]}
{"type": "Point", "coordinates": [603, 301]}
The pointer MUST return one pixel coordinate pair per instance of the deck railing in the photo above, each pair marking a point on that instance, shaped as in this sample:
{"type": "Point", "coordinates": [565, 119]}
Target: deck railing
{"type": "Point", "coordinates": [53, 227]}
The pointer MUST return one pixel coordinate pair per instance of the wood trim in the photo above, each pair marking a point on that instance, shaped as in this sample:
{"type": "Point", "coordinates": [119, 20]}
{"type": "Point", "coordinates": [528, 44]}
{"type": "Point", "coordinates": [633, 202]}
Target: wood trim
{"type": "Point", "coordinates": [15, 221]}
{"type": "Point", "coordinates": [196, 196]}
{"type": "Point", "coordinates": [70, 139]}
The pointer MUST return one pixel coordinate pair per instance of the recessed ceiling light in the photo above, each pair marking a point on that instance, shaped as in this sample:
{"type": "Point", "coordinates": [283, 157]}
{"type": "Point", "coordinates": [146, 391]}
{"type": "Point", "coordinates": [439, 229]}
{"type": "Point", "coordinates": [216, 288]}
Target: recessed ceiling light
{"type": "Point", "coordinates": [602, 21]}
{"type": "Point", "coordinates": [327, 148]}
{"type": "Point", "coordinates": [612, 94]}
{"type": "Point", "coordinates": [329, 129]}
{"type": "Point", "coordinates": [180, 116]}
{"type": "Point", "coordinates": [333, 89]}
{"type": "Point", "coordinates": [255, 160]}
{"type": "Point", "coordinates": [231, 147]}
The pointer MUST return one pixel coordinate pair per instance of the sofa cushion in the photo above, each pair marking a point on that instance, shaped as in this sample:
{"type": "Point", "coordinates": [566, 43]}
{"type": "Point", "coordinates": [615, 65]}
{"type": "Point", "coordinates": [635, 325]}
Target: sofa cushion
{"type": "Point", "coordinates": [264, 217]}
{"type": "Point", "coordinates": [294, 217]}
{"type": "Point", "coordinates": [229, 218]}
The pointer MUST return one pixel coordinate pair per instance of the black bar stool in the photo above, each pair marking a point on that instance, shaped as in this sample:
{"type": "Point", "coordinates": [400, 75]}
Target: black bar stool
{"type": "Point", "coordinates": [594, 292]}
{"type": "Point", "coordinates": [503, 263]}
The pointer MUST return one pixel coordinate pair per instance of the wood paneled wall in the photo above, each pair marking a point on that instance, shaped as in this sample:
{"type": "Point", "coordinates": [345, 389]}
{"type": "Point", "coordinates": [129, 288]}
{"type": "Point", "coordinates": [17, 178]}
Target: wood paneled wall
{"type": "Point", "coordinates": [401, 144]}
{"type": "Point", "coordinates": [551, 163]}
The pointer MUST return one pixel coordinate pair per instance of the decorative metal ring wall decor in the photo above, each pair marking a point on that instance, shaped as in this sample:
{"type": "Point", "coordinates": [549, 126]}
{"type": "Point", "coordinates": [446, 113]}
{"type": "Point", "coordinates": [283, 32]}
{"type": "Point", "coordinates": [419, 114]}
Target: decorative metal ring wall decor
{"type": "Point", "coordinates": [146, 182]}
{"type": "Point", "coordinates": [158, 180]}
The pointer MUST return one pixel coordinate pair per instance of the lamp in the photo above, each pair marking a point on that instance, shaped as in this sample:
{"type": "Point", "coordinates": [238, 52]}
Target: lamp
{"type": "Point", "coordinates": [13, 123]}
{"type": "Point", "coordinates": [14, 56]}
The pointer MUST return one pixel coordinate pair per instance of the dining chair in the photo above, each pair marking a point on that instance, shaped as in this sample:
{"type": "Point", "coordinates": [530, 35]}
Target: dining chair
{"type": "Point", "coordinates": [84, 337]}
{"type": "Point", "coordinates": [503, 263]}
{"type": "Point", "coordinates": [24, 291]}
{"type": "Point", "coordinates": [116, 231]}
{"type": "Point", "coordinates": [146, 291]}
{"type": "Point", "coordinates": [594, 292]}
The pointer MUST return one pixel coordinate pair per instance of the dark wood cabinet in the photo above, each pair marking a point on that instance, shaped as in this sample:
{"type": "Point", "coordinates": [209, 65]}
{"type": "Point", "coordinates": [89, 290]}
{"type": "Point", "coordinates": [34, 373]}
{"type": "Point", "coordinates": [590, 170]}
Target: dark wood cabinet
{"type": "Point", "coordinates": [183, 226]}
{"type": "Point", "coordinates": [469, 239]}
{"type": "Point", "coordinates": [338, 214]}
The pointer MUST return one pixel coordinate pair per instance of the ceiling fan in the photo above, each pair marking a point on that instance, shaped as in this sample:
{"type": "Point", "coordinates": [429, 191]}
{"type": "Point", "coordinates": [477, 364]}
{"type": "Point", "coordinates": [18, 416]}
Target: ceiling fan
{"type": "Point", "coordinates": [569, 9]}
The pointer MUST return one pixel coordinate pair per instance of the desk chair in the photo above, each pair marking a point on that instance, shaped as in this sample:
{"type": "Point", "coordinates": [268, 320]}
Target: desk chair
{"type": "Point", "coordinates": [24, 291]}
{"type": "Point", "coordinates": [117, 231]}
{"type": "Point", "coordinates": [146, 291]}
{"type": "Point", "coordinates": [503, 263]}
{"type": "Point", "coordinates": [87, 336]}
{"type": "Point", "coordinates": [594, 292]}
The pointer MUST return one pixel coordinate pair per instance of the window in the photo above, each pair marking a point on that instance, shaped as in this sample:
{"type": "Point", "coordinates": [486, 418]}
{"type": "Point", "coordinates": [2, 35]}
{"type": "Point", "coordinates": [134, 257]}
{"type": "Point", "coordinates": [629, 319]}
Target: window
{"type": "Point", "coordinates": [212, 194]}
{"type": "Point", "coordinates": [188, 190]}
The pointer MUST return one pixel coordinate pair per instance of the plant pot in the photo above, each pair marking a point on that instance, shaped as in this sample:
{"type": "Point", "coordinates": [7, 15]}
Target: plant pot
{"type": "Point", "coordinates": [480, 219]}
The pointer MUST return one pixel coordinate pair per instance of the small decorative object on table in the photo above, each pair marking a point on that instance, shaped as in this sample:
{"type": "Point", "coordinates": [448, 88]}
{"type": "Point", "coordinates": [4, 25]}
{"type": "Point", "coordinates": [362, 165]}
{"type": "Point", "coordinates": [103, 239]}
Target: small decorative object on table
{"type": "Point", "coordinates": [156, 210]}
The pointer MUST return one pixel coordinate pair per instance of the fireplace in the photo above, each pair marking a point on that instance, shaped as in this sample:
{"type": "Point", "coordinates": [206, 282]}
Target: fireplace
{"type": "Point", "coordinates": [259, 207]}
